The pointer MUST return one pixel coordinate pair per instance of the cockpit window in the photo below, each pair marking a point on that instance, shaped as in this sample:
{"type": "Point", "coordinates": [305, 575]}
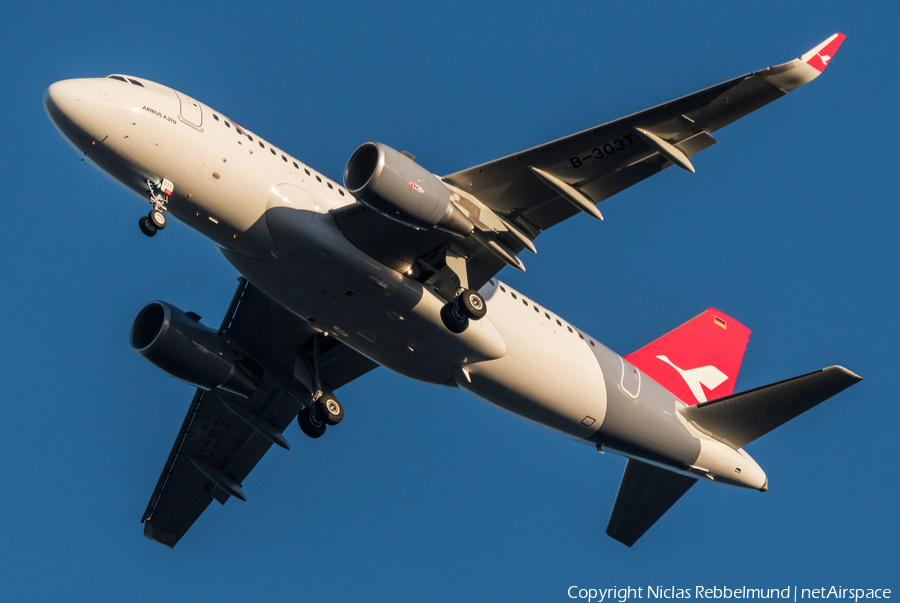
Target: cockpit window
{"type": "Point", "coordinates": [135, 82]}
{"type": "Point", "coordinates": [117, 77]}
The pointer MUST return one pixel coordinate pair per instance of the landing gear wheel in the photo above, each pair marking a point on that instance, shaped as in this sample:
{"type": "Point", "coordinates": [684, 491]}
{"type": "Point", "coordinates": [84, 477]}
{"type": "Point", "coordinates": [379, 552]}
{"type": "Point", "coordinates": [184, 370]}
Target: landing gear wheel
{"type": "Point", "coordinates": [158, 218]}
{"type": "Point", "coordinates": [310, 423]}
{"type": "Point", "coordinates": [472, 304]}
{"type": "Point", "coordinates": [328, 407]}
{"type": "Point", "coordinates": [454, 319]}
{"type": "Point", "coordinates": [147, 226]}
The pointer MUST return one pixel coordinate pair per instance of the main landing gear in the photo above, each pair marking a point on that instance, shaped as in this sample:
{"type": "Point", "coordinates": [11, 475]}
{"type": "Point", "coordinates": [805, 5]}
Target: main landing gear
{"type": "Point", "coordinates": [468, 305]}
{"type": "Point", "coordinates": [159, 196]}
{"type": "Point", "coordinates": [325, 409]}
{"type": "Point", "coordinates": [314, 419]}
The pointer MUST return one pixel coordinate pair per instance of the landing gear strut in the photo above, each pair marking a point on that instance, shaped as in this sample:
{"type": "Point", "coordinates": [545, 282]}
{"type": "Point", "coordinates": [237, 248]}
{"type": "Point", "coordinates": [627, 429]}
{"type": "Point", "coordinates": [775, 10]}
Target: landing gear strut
{"type": "Point", "coordinates": [159, 196]}
{"type": "Point", "coordinates": [468, 305]}
{"type": "Point", "coordinates": [325, 409]}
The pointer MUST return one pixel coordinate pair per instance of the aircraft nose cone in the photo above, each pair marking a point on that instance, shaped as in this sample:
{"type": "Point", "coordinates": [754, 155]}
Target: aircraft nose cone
{"type": "Point", "coordinates": [62, 101]}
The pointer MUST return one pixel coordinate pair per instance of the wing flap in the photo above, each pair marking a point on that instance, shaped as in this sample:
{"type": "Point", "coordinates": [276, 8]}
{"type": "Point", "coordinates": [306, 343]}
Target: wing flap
{"type": "Point", "coordinates": [646, 493]}
{"type": "Point", "coordinates": [741, 418]}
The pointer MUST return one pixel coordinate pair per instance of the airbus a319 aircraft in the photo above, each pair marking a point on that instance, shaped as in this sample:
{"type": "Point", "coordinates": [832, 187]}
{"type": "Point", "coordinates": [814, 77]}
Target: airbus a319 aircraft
{"type": "Point", "coordinates": [397, 267]}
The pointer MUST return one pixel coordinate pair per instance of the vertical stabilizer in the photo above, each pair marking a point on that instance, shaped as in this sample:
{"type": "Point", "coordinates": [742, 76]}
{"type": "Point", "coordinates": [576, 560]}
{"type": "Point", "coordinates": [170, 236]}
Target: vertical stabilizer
{"type": "Point", "coordinates": [699, 361]}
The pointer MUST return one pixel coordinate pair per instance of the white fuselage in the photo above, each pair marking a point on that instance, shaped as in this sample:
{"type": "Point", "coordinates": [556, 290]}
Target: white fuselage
{"type": "Point", "coordinates": [269, 213]}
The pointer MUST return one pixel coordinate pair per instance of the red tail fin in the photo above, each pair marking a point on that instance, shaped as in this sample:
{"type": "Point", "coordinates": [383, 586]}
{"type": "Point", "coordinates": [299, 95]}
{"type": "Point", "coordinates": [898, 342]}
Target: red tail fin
{"type": "Point", "coordinates": [699, 360]}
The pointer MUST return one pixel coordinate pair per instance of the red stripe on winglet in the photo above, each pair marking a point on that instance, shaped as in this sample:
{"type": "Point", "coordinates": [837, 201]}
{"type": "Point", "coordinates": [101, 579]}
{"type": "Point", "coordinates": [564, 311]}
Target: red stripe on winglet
{"type": "Point", "coordinates": [821, 59]}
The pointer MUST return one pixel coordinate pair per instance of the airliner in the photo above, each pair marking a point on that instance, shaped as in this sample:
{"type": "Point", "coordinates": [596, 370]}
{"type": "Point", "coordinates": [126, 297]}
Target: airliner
{"type": "Point", "coordinates": [396, 267]}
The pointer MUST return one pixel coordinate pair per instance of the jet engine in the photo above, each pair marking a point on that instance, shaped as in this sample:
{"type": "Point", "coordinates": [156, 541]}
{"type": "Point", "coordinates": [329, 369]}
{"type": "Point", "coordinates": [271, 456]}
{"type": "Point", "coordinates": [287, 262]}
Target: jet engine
{"type": "Point", "coordinates": [187, 350]}
{"type": "Point", "coordinates": [396, 186]}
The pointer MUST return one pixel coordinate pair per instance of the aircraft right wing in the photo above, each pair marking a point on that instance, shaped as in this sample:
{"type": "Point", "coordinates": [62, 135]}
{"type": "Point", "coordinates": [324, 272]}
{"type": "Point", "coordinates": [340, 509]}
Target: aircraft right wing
{"type": "Point", "coordinates": [224, 435]}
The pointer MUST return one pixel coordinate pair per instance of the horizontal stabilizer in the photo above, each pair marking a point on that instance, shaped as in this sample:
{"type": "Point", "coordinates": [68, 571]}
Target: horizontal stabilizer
{"type": "Point", "coordinates": [741, 418]}
{"type": "Point", "coordinates": [646, 493]}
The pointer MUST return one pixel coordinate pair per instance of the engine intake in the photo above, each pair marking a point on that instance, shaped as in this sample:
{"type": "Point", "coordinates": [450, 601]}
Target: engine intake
{"type": "Point", "coordinates": [396, 186]}
{"type": "Point", "coordinates": [187, 350]}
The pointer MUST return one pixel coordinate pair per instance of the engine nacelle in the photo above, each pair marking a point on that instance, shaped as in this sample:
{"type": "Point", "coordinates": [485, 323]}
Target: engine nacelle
{"type": "Point", "coordinates": [398, 187]}
{"type": "Point", "coordinates": [187, 350]}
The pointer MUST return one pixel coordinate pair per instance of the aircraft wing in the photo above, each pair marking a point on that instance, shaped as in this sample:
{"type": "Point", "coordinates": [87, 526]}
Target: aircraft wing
{"type": "Point", "coordinates": [530, 191]}
{"type": "Point", "coordinates": [224, 435]}
{"type": "Point", "coordinates": [540, 187]}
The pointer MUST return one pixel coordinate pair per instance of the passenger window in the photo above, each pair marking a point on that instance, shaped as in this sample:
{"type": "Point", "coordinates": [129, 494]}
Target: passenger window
{"type": "Point", "coordinates": [329, 185]}
{"type": "Point", "coordinates": [215, 117]}
{"type": "Point", "coordinates": [491, 281]}
{"type": "Point", "coordinates": [502, 288]}
{"type": "Point", "coordinates": [547, 315]}
{"type": "Point", "coordinates": [238, 129]}
{"type": "Point", "coordinates": [273, 150]}
{"type": "Point", "coordinates": [284, 158]}
{"type": "Point", "coordinates": [341, 192]}
{"type": "Point", "coordinates": [580, 336]}
{"type": "Point", "coordinates": [525, 301]}
{"type": "Point", "coordinates": [306, 170]}
{"type": "Point", "coordinates": [261, 145]}
{"type": "Point", "coordinates": [557, 322]}
{"type": "Point", "coordinates": [514, 296]}
{"type": "Point", "coordinates": [250, 137]}
{"type": "Point", "coordinates": [592, 342]}
{"type": "Point", "coordinates": [536, 310]}
{"type": "Point", "coordinates": [296, 166]}
{"type": "Point", "coordinates": [227, 124]}
{"type": "Point", "coordinates": [570, 329]}
{"type": "Point", "coordinates": [319, 179]}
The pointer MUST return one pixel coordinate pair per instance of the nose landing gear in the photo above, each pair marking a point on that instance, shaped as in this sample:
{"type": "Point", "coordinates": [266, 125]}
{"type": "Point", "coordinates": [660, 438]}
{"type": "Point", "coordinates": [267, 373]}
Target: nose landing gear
{"type": "Point", "coordinates": [159, 196]}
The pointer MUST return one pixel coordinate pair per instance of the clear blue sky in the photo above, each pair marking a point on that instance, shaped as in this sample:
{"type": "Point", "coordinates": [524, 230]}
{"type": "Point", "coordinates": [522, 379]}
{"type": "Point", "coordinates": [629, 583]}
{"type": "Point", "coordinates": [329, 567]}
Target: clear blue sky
{"type": "Point", "coordinates": [426, 494]}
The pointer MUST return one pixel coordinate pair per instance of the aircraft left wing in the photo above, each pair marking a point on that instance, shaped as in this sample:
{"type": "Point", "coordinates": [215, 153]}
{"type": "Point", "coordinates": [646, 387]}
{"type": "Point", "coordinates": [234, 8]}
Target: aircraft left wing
{"type": "Point", "coordinates": [224, 435]}
{"type": "Point", "coordinates": [540, 187]}
{"type": "Point", "coordinates": [513, 199]}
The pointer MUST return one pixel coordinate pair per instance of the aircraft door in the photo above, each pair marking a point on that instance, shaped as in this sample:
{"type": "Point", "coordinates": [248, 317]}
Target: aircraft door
{"type": "Point", "coordinates": [631, 379]}
{"type": "Point", "coordinates": [190, 110]}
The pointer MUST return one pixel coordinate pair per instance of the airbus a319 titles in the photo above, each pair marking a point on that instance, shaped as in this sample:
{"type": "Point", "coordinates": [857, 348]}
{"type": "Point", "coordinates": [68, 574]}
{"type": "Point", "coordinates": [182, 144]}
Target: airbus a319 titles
{"type": "Point", "coordinates": [396, 267]}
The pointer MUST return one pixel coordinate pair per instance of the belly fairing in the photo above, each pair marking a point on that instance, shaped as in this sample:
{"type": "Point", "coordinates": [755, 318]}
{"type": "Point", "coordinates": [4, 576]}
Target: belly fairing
{"type": "Point", "coordinates": [316, 273]}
